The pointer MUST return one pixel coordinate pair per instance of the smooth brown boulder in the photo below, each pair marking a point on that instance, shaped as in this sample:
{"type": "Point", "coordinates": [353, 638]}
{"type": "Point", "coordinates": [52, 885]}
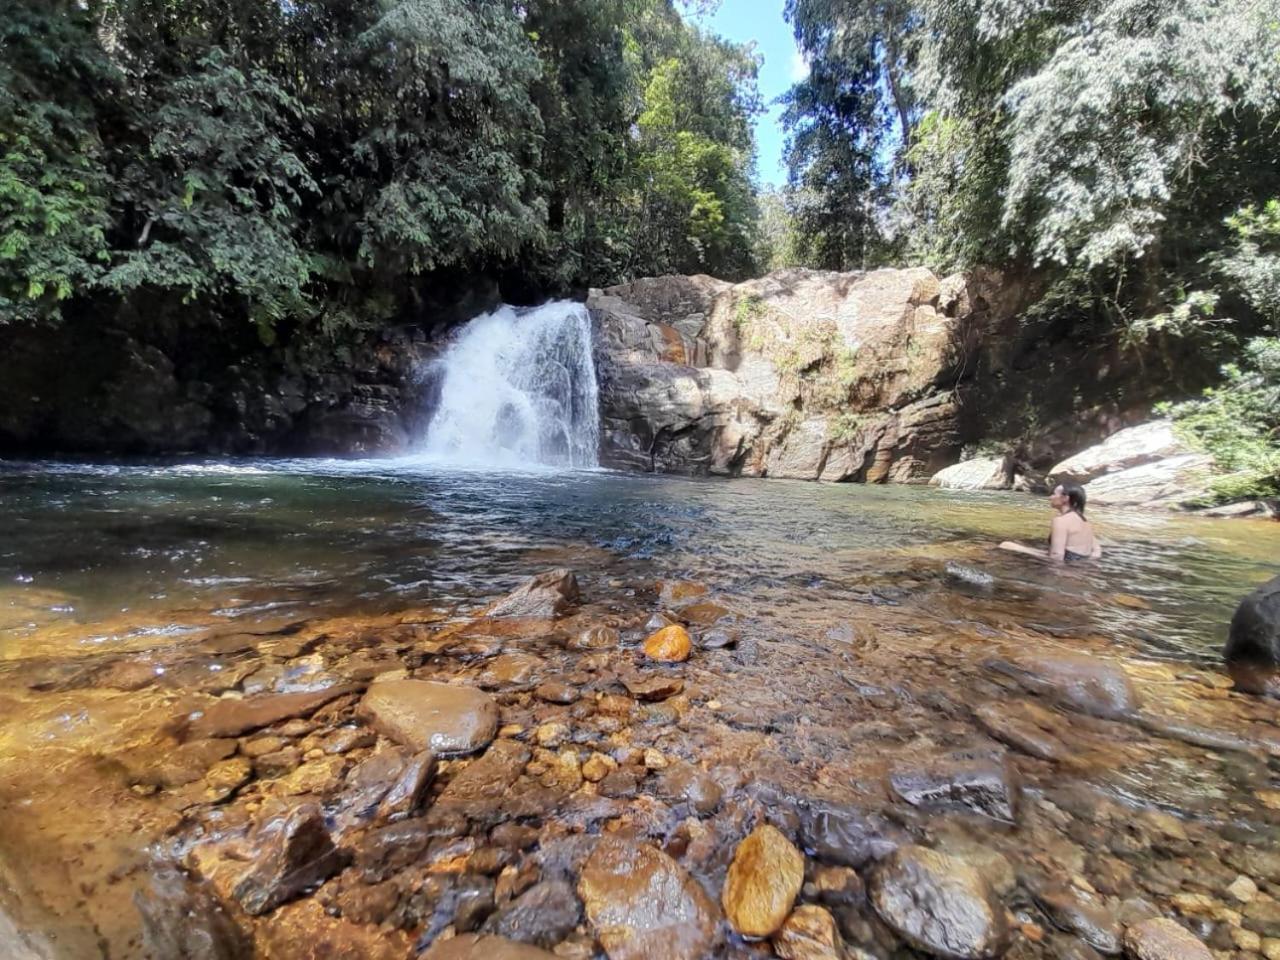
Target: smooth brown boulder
{"type": "Point", "coordinates": [1091, 685]}
{"type": "Point", "coordinates": [1163, 939]}
{"type": "Point", "coordinates": [763, 881]}
{"type": "Point", "coordinates": [810, 933]}
{"type": "Point", "coordinates": [939, 904]}
{"type": "Point", "coordinates": [439, 717]}
{"type": "Point", "coordinates": [669, 645]}
{"type": "Point", "coordinates": [544, 597]}
{"type": "Point", "coordinates": [643, 905]}
{"type": "Point", "coordinates": [470, 946]}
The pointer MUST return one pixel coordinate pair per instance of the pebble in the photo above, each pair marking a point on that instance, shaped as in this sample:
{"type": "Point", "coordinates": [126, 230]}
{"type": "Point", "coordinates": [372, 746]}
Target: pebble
{"type": "Point", "coordinates": [654, 759]}
{"type": "Point", "coordinates": [1246, 940]}
{"type": "Point", "coordinates": [1243, 889]}
{"type": "Point", "coordinates": [597, 767]}
{"type": "Point", "coordinates": [551, 735]}
{"type": "Point", "coordinates": [669, 645]}
{"type": "Point", "coordinates": [1271, 948]}
{"type": "Point", "coordinates": [809, 934]}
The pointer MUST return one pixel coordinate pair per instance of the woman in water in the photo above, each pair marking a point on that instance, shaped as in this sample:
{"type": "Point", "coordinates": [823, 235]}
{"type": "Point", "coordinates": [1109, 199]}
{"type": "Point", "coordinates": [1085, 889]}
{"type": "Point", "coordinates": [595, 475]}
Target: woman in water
{"type": "Point", "coordinates": [1070, 536]}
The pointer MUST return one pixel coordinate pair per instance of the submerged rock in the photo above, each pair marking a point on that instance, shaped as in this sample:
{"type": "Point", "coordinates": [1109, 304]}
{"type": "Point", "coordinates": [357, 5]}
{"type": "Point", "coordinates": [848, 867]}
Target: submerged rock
{"type": "Point", "coordinates": [1252, 653]}
{"type": "Point", "coordinates": [643, 905]}
{"type": "Point", "coordinates": [424, 715]}
{"type": "Point", "coordinates": [939, 904]}
{"type": "Point", "coordinates": [671, 644]}
{"type": "Point", "coordinates": [1097, 687]}
{"type": "Point", "coordinates": [969, 576]}
{"type": "Point", "coordinates": [470, 946]}
{"type": "Point", "coordinates": [848, 835]}
{"type": "Point", "coordinates": [595, 638]}
{"type": "Point", "coordinates": [297, 855]}
{"type": "Point", "coordinates": [1163, 939]}
{"type": "Point", "coordinates": [763, 882]}
{"type": "Point", "coordinates": [181, 918]}
{"type": "Point", "coordinates": [544, 597]}
{"type": "Point", "coordinates": [1075, 912]}
{"type": "Point", "coordinates": [810, 933]}
{"type": "Point", "coordinates": [231, 718]}
{"type": "Point", "coordinates": [985, 785]}
{"type": "Point", "coordinates": [544, 915]}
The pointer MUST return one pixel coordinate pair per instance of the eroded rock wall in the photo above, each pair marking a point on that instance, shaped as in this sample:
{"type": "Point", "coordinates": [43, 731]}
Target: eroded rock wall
{"type": "Point", "coordinates": [800, 374]}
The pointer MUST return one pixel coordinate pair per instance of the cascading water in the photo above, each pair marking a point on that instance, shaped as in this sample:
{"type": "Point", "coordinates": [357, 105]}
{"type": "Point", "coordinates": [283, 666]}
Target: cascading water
{"type": "Point", "coordinates": [518, 387]}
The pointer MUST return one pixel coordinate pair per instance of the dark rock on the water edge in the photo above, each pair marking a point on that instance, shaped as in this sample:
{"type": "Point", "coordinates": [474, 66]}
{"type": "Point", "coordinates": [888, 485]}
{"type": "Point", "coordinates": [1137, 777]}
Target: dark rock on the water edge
{"type": "Point", "coordinates": [423, 715]}
{"type": "Point", "coordinates": [986, 785]}
{"type": "Point", "coordinates": [298, 854]}
{"type": "Point", "coordinates": [1252, 653]}
{"type": "Point", "coordinates": [544, 597]}
{"type": "Point", "coordinates": [181, 918]}
{"type": "Point", "coordinates": [939, 904]}
{"type": "Point", "coordinates": [406, 792]}
{"type": "Point", "coordinates": [1076, 912]}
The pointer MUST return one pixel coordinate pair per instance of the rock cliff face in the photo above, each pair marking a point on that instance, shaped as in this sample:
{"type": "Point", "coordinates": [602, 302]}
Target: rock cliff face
{"type": "Point", "coordinates": [801, 374]}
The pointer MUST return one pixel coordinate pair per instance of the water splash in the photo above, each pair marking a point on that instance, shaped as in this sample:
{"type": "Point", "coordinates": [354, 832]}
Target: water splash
{"type": "Point", "coordinates": [518, 388]}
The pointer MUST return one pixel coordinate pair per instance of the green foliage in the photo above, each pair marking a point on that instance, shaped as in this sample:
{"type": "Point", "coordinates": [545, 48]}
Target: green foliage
{"type": "Point", "coordinates": [1239, 423]}
{"type": "Point", "coordinates": [319, 165]}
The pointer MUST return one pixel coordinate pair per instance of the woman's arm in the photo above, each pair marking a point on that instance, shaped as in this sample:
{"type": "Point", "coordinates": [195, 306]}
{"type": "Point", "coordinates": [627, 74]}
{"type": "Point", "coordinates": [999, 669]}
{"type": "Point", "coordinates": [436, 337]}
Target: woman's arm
{"type": "Point", "coordinates": [1013, 547]}
{"type": "Point", "coordinates": [1058, 539]}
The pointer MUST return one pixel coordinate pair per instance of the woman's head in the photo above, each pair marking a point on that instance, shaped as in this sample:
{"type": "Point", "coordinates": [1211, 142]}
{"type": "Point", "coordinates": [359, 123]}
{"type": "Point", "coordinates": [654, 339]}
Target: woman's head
{"type": "Point", "coordinates": [1070, 496]}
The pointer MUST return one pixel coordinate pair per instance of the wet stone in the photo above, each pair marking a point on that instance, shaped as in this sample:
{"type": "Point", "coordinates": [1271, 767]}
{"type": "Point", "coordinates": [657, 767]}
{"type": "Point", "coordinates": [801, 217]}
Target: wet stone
{"type": "Point", "coordinates": [260, 746]}
{"type": "Point", "coordinates": [231, 718]}
{"type": "Point", "coordinates": [810, 933]}
{"type": "Point", "coordinates": [272, 766]}
{"type": "Point", "coordinates": [848, 835]}
{"type": "Point", "coordinates": [702, 614]}
{"type": "Point", "coordinates": [295, 856]}
{"type": "Point", "coordinates": [763, 882]}
{"type": "Point", "coordinates": [983, 785]}
{"type": "Point", "coordinates": [224, 778]}
{"type": "Point", "coordinates": [447, 720]}
{"type": "Point", "coordinates": [643, 906]}
{"type": "Point", "coordinates": [939, 904]}
{"type": "Point", "coordinates": [383, 852]}
{"type": "Point", "coordinates": [683, 782]}
{"type": "Point", "coordinates": [595, 638]}
{"type": "Point", "coordinates": [181, 918]}
{"type": "Point", "coordinates": [484, 783]}
{"type": "Point", "coordinates": [472, 947]}
{"type": "Point", "coordinates": [1025, 726]}
{"type": "Point", "coordinates": [405, 794]}
{"type": "Point", "coordinates": [1097, 687]}
{"type": "Point", "coordinates": [1163, 939]}
{"type": "Point", "coordinates": [347, 739]}
{"type": "Point", "coordinates": [1076, 912]}
{"type": "Point", "coordinates": [834, 886]}
{"type": "Point", "coordinates": [510, 670]}
{"type": "Point", "coordinates": [544, 597]}
{"type": "Point", "coordinates": [553, 691]}
{"type": "Point", "coordinates": [168, 766]}
{"type": "Point", "coordinates": [653, 687]}
{"type": "Point", "coordinates": [543, 915]}
{"type": "Point", "coordinates": [669, 645]}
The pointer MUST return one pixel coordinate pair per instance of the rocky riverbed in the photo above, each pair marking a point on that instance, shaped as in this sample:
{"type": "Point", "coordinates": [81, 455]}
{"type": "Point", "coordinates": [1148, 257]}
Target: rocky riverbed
{"type": "Point", "coordinates": [596, 767]}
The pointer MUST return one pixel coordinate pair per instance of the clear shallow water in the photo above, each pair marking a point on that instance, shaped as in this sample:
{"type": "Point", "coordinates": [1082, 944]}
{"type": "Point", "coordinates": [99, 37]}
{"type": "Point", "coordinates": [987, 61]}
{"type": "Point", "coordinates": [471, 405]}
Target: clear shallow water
{"type": "Point", "coordinates": [107, 555]}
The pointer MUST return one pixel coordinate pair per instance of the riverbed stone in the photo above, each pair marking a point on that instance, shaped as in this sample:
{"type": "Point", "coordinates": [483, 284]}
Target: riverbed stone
{"type": "Point", "coordinates": [1075, 911]}
{"type": "Point", "coordinates": [985, 785]}
{"type": "Point", "coordinates": [1252, 652]}
{"type": "Point", "coordinates": [296, 855]}
{"type": "Point", "coordinates": [181, 918]}
{"type": "Point", "coordinates": [232, 717]}
{"type": "Point", "coordinates": [809, 933]}
{"type": "Point", "coordinates": [544, 597]}
{"type": "Point", "coordinates": [1091, 685]}
{"type": "Point", "coordinates": [683, 782]}
{"type": "Point", "coordinates": [510, 670]}
{"type": "Point", "coordinates": [553, 691]}
{"type": "Point", "coordinates": [1025, 726]}
{"type": "Point", "coordinates": [470, 946]}
{"type": "Point", "coordinates": [939, 904]}
{"type": "Point", "coordinates": [595, 638]}
{"type": "Point", "coordinates": [763, 881]}
{"type": "Point", "coordinates": [642, 905]}
{"type": "Point", "coordinates": [445, 719]}
{"type": "Point", "coordinates": [653, 687]}
{"type": "Point", "coordinates": [483, 784]}
{"type": "Point", "coordinates": [848, 835]}
{"type": "Point", "coordinates": [409, 787]}
{"type": "Point", "coordinates": [1163, 939]}
{"type": "Point", "coordinates": [543, 915]}
{"type": "Point", "coordinates": [671, 644]}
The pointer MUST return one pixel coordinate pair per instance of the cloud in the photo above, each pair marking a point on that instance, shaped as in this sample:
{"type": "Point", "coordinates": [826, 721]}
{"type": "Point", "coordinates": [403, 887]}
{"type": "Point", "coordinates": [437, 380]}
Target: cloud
{"type": "Point", "coordinates": [799, 67]}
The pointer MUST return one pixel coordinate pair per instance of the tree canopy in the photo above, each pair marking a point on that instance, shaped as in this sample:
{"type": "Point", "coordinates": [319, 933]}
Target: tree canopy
{"type": "Point", "coordinates": [320, 162]}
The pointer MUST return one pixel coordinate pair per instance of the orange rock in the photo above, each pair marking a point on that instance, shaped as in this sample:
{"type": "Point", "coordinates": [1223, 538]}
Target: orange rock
{"type": "Point", "coordinates": [670, 644]}
{"type": "Point", "coordinates": [809, 934]}
{"type": "Point", "coordinates": [763, 882]}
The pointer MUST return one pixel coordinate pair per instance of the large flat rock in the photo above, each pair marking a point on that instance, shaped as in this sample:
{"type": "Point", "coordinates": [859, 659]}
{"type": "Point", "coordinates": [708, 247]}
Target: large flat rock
{"type": "Point", "coordinates": [445, 719]}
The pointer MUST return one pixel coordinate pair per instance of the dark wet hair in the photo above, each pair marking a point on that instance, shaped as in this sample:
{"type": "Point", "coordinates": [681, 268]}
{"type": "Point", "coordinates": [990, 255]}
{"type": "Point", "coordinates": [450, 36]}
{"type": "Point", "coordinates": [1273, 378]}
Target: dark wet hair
{"type": "Point", "coordinates": [1076, 498]}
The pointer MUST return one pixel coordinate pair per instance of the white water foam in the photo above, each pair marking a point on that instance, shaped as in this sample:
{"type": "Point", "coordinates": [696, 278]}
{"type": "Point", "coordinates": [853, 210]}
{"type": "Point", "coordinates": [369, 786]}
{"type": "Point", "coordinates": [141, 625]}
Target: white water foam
{"type": "Point", "coordinates": [518, 389]}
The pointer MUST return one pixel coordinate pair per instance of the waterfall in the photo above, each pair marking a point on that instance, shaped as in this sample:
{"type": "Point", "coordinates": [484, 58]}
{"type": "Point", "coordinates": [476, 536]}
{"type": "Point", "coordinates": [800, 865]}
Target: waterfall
{"type": "Point", "coordinates": [517, 388]}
